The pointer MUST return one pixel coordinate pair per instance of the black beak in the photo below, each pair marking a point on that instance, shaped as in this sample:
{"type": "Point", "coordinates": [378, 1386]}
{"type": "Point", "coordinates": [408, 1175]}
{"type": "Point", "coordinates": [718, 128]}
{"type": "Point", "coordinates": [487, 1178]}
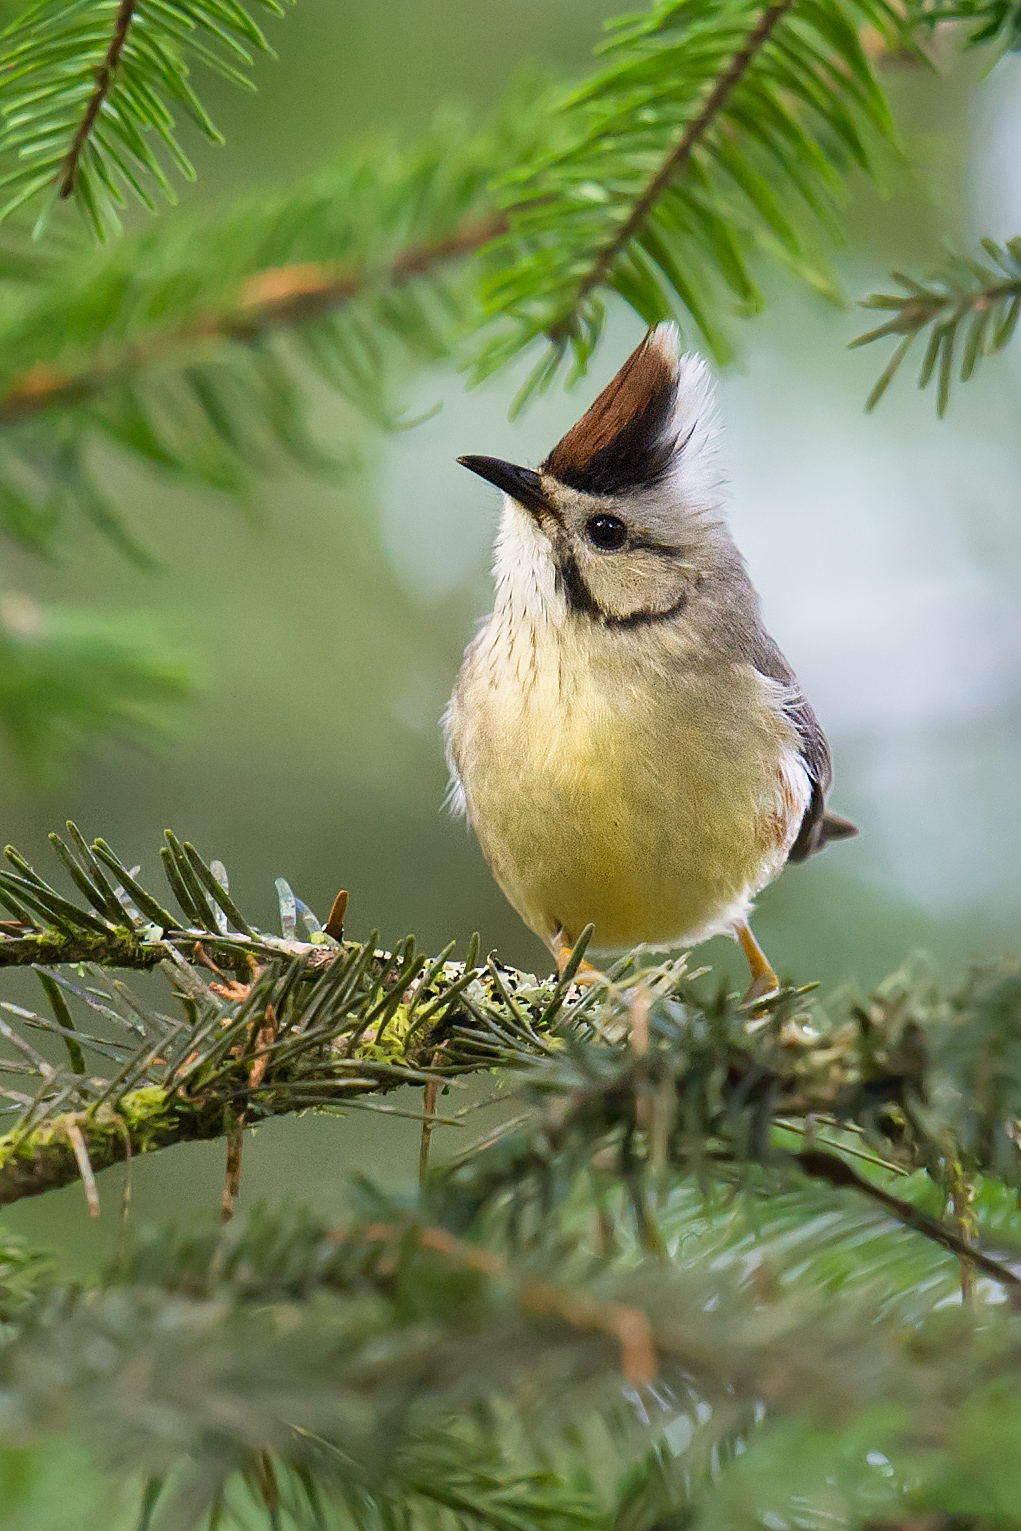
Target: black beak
{"type": "Point", "coordinates": [520, 483]}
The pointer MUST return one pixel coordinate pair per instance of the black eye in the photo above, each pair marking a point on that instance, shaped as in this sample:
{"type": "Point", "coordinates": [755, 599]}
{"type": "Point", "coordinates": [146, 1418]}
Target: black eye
{"type": "Point", "coordinates": [606, 532]}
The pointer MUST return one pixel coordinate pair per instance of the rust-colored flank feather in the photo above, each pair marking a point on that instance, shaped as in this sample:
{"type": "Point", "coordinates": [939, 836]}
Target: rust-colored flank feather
{"type": "Point", "coordinates": [625, 440]}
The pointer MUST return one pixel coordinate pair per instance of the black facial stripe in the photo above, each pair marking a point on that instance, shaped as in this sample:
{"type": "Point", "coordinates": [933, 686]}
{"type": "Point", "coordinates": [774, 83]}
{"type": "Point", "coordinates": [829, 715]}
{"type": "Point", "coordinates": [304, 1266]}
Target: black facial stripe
{"type": "Point", "coordinates": [644, 618]}
{"type": "Point", "coordinates": [580, 599]}
{"type": "Point", "coordinates": [582, 603]}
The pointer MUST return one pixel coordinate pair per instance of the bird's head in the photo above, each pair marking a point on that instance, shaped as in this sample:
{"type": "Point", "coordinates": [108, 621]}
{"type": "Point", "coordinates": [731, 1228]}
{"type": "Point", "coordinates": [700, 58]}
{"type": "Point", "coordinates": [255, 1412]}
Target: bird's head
{"type": "Point", "coordinates": [627, 503]}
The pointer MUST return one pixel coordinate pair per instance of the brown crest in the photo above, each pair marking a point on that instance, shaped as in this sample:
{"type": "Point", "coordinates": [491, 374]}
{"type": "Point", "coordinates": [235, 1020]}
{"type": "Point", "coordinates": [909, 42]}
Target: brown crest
{"type": "Point", "coordinates": [626, 439]}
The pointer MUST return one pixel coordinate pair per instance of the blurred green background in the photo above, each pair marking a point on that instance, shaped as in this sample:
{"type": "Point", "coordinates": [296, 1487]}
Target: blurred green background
{"type": "Point", "coordinates": [328, 628]}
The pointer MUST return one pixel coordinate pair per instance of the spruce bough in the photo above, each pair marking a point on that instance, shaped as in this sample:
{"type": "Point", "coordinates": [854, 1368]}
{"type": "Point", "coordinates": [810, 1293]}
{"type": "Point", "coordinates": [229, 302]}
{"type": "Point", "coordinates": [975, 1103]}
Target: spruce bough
{"type": "Point", "coordinates": [706, 1228]}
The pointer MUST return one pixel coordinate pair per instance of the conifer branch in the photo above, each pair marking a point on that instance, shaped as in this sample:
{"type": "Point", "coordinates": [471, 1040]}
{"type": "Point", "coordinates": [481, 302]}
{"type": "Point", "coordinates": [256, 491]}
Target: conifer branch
{"type": "Point", "coordinates": [104, 82]}
{"type": "Point", "coordinates": [68, 676]}
{"type": "Point", "coordinates": [88, 90]}
{"type": "Point", "coordinates": [191, 348]}
{"type": "Point", "coordinates": [709, 1107]}
{"type": "Point", "coordinates": [969, 309]}
{"type": "Point", "coordinates": [381, 1363]}
{"type": "Point", "coordinates": [841, 1175]}
{"type": "Point", "coordinates": [488, 1274]}
{"type": "Point", "coordinates": [676, 159]}
{"type": "Point", "coordinates": [991, 20]}
{"type": "Point", "coordinates": [270, 1024]}
{"type": "Point", "coordinates": [271, 299]}
{"type": "Point", "coordinates": [715, 96]}
{"type": "Point", "coordinates": [715, 131]}
{"type": "Point", "coordinates": [720, 129]}
{"type": "Point", "coordinates": [392, 1363]}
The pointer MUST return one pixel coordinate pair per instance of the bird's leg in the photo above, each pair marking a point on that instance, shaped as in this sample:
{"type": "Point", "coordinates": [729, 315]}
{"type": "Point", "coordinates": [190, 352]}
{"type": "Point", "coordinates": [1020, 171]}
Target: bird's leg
{"type": "Point", "coordinates": [764, 980]}
{"type": "Point", "coordinates": [562, 947]}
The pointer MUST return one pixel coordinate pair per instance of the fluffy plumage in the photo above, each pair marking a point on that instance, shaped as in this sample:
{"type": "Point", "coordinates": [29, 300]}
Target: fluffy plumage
{"type": "Point", "coordinates": [629, 744]}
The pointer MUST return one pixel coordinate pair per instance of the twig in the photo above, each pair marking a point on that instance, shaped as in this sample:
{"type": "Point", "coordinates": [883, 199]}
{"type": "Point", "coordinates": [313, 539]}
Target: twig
{"type": "Point", "coordinates": [232, 1179]}
{"type": "Point", "coordinates": [960, 1198]}
{"type": "Point", "coordinates": [264, 1040]}
{"type": "Point", "coordinates": [81, 1154]}
{"type": "Point", "coordinates": [335, 924]}
{"type": "Point", "coordinates": [824, 1166]}
{"type": "Point", "coordinates": [641, 1004]}
{"type": "Point", "coordinates": [630, 1327]}
{"type": "Point", "coordinates": [122, 1237]}
{"type": "Point", "coordinates": [808, 1129]}
{"type": "Point", "coordinates": [679, 154]}
{"type": "Point", "coordinates": [104, 82]}
{"type": "Point", "coordinates": [432, 1089]}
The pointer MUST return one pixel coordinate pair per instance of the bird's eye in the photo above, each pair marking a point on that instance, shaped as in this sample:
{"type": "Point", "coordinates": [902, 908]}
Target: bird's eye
{"type": "Point", "coordinates": [606, 532]}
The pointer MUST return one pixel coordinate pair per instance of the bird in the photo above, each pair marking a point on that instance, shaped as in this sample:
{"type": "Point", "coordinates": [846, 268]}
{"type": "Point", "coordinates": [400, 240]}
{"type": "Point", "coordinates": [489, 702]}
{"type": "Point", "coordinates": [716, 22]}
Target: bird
{"type": "Point", "coordinates": [628, 743]}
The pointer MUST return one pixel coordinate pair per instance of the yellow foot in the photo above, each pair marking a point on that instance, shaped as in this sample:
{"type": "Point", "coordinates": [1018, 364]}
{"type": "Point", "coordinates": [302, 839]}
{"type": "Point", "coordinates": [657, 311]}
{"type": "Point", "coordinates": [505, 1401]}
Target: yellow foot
{"type": "Point", "coordinates": [764, 980]}
{"type": "Point", "coordinates": [562, 948]}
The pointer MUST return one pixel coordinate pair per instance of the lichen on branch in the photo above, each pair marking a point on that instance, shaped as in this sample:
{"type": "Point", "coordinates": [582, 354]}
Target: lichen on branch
{"type": "Point", "coordinates": [263, 1024]}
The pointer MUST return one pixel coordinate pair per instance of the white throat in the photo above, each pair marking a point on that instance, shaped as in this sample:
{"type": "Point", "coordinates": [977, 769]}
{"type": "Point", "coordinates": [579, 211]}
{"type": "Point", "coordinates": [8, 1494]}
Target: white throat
{"type": "Point", "coordinates": [524, 573]}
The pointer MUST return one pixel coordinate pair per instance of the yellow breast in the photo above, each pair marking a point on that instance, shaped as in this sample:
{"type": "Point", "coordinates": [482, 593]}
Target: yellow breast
{"type": "Point", "coordinates": [618, 783]}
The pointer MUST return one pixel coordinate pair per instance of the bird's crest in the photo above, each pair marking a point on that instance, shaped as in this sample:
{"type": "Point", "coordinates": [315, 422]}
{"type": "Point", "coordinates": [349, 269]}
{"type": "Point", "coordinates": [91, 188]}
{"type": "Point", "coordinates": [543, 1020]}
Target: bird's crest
{"type": "Point", "coordinates": [628, 438]}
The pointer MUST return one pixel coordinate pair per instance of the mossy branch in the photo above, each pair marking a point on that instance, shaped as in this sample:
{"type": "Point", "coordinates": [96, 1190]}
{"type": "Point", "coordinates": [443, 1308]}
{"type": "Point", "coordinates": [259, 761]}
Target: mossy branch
{"type": "Point", "coordinates": [268, 1024]}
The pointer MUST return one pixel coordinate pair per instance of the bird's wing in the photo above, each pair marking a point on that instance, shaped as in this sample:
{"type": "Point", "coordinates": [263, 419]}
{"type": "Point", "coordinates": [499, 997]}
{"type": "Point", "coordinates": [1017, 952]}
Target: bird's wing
{"type": "Point", "coordinates": [817, 826]}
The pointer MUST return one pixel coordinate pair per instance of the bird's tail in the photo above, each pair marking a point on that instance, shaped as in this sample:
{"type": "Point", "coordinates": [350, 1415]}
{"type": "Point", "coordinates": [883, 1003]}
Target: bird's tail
{"type": "Point", "coordinates": [833, 827]}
